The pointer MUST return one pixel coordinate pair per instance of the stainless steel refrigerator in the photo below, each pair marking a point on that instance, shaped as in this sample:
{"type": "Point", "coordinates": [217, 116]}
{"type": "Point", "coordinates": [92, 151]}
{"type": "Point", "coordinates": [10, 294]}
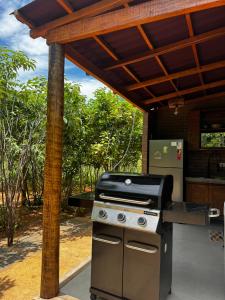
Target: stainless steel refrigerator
{"type": "Point", "coordinates": [166, 158]}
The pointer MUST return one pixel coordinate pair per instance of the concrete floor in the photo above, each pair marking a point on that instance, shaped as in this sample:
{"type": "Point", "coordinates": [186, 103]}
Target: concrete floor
{"type": "Point", "coordinates": [198, 267]}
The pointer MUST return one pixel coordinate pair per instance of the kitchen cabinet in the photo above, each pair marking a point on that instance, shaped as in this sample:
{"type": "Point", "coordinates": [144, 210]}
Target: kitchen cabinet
{"type": "Point", "coordinates": [206, 193]}
{"type": "Point", "coordinates": [217, 196]}
{"type": "Point", "coordinates": [197, 192]}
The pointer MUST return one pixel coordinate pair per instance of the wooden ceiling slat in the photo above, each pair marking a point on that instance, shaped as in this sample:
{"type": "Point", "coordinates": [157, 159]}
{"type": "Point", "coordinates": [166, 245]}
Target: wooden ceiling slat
{"type": "Point", "coordinates": [92, 10]}
{"type": "Point", "coordinates": [189, 72]}
{"type": "Point", "coordinates": [150, 11]}
{"type": "Point", "coordinates": [159, 61]}
{"type": "Point", "coordinates": [88, 67]}
{"type": "Point", "coordinates": [169, 48]}
{"type": "Point", "coordinates": [66, 5]}
{"type": "Point", "coordinates": [205, 98]}
{"type": "Point", "coordinates": [106, 48]}
{"type": "Point", "coordinates": [185, 92]}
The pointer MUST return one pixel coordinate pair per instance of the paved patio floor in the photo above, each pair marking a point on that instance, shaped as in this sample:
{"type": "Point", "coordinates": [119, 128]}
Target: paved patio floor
{"type": "Point", "coordinates": [198, 267]}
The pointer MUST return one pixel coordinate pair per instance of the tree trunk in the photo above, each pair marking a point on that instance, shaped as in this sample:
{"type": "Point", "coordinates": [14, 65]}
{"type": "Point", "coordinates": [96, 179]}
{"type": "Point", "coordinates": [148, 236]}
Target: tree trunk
{"type": "Point", "coordinates": [53, 174]}
{"type": "Point", "coordinates": [10, 225]}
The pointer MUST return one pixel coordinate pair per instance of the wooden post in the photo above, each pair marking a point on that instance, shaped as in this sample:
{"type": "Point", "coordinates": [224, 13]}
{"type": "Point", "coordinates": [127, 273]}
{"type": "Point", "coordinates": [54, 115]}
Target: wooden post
{"type": "Point", "coordinates": [53, 174]}
{"type": "Point", "coordinates": [145, 143]}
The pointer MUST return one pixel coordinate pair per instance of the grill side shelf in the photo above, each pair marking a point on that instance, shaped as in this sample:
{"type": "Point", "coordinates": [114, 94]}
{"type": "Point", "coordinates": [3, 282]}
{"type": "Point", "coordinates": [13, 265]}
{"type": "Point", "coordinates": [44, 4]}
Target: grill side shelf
{"type": "Point", "coordinates": [186, 213]}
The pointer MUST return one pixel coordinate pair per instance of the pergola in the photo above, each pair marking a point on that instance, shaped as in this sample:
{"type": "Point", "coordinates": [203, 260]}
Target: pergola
{"type": "Point", "coordinates": [152, 53]}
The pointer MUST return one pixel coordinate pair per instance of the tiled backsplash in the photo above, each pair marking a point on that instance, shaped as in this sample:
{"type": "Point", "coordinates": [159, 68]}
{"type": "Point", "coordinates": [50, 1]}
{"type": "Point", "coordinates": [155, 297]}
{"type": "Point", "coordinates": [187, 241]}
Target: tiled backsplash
{"type": "Point", "coordinates": [205, 163]}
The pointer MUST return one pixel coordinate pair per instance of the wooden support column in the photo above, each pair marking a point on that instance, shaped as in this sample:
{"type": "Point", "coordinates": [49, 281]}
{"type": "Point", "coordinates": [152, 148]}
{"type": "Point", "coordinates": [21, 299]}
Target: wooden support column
{"type": "Point", "coordinates": [145, 142]}
{"type": "Point", "coordinates": [53, 174]}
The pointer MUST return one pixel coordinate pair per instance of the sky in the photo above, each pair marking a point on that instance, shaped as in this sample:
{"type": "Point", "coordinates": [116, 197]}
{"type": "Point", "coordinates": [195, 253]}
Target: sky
{"type": "Point", "coordinates": [15, 35]}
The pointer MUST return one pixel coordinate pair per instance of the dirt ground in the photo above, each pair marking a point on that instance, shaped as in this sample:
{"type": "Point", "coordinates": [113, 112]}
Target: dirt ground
{"type": "Point", "coordinates": [20, 265]}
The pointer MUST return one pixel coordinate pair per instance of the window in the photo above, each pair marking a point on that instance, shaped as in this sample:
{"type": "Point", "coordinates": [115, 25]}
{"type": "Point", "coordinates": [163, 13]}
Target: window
{"type": "Point", "coordinates": [213, 140]}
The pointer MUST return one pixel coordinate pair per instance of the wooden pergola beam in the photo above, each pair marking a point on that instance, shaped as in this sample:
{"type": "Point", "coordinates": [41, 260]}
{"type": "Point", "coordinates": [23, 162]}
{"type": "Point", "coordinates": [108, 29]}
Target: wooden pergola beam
{"type": "Point", "coordinates": [185, 92]}
{"type": "Point", "coordinates": [169, 48]}
{"type": "Point", "coordinates": [150, 11]}
{"type": "Point", "coordinates": [200, 69]}
{"type": "Point", "coordinates": [111, 53]}
{"type": "Point", "coordinates": [205, 98]}
{"type": "Point", "coordinates": [88, 67]}
{"type": "Point", "coordinates": [66, 5]}
{"type": "Point", "coordinates": [92, 10]}
{"type": "Point", "coordinates": [53, 174]}
{"type": "Point", "coordinates": [194, 48]}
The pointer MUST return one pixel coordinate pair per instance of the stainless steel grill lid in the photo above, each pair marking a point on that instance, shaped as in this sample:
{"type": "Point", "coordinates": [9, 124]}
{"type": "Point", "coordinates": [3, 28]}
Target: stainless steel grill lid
{"type": "Point", "coordinates": [145, 190]}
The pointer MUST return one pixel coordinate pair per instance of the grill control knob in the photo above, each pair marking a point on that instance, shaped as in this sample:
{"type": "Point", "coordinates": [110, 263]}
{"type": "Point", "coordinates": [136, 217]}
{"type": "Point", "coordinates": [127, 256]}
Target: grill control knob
{"type": "Point", "coordinates": [102, 214]}
{"type": "Point", "coordinates": [142, 221]}
{"type": "Point", "coordinates": [121, 218]}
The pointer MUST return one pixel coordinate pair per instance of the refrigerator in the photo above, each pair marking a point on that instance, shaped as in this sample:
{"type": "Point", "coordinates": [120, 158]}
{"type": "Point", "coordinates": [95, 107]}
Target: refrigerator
{"type": "Point", "coordinates": [166, 158]}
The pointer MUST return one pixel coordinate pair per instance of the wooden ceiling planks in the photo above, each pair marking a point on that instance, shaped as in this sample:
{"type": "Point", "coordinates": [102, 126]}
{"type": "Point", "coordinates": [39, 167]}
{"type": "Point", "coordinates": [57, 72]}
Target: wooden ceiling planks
{"type": "Point", "coordinates": [159, 61]}
{"type": "Point", "coordinates": [115, 57]}
{"type": "Point", "coordinates": [75, 57]}
{"type": "Point", "coordinates": [169, 48]}
{"type": "Point", "coordinates": [138, 72]}
{"type": "Point", "coordinates": [185, 92]}
{"type": "Point", "coordinates": [200, 69]}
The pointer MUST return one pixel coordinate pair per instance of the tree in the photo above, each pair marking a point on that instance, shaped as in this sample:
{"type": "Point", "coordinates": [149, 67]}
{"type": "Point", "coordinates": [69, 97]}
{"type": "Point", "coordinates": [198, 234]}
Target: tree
{"type": "Point", "coordinates": [100, 134]}
{"type": "Point", "coordinates": [116, 129]}
{"type": "Point", "coordinates": [15, 133]}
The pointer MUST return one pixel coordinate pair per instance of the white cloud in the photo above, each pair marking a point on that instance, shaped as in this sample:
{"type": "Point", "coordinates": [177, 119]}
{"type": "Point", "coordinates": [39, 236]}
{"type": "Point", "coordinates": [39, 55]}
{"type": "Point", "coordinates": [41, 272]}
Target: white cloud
{"type": "Point", "coordinates": [9, 24]}
{"type": "Point", "coordinates": [89, 86]}
{"type": "Point", "coordinates": [28, 45]}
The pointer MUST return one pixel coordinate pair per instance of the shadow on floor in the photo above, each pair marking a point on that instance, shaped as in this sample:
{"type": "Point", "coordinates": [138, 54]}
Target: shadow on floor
{"type": "Point", "coordinates": [5, 284]}
{"type": "Point", "coordinates": [16, 253]}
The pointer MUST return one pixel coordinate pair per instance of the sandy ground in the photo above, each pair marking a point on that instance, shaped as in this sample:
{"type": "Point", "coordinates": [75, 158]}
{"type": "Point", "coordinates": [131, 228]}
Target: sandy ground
{"type": "Point", "coordinates": [20, 266]}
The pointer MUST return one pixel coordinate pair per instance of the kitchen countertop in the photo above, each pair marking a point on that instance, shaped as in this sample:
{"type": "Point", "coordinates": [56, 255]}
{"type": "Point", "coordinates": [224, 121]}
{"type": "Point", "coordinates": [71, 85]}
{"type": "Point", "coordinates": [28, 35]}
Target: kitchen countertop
{"type": "Point", "coordinates": [205, 180]}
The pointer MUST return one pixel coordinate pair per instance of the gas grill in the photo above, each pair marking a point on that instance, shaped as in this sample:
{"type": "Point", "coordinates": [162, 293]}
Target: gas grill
{"type": "Point", "coordinates": [132, 236]}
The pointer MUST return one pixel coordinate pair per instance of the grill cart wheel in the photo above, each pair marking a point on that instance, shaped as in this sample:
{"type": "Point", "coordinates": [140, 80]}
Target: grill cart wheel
{"type": "Point", "coordinates": [93, 297]}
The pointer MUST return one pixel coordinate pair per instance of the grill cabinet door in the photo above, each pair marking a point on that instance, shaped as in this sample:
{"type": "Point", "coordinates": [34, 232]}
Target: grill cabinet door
{"type": "Point", "coordinates": [107, 258]}
{"type": "Point", "coordinates": [141, 275]}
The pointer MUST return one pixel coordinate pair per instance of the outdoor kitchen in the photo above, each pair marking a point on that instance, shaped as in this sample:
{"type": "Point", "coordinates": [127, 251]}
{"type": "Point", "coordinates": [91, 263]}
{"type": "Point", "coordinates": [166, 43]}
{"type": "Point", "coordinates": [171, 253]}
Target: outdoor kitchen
{"type": "Point", "coordinates": [204, 164]}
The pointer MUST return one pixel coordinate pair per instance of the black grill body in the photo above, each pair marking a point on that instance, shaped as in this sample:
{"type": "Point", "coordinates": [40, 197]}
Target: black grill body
{"type": "Point", "coordinates": [131, 247]}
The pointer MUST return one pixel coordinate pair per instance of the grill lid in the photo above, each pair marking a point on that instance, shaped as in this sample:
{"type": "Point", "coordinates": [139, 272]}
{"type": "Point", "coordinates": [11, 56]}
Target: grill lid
{"type": "Point", "coordinates": [145, 190]}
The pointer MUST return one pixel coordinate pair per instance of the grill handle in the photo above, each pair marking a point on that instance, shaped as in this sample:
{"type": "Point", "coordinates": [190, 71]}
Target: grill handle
{"type": "Point", "coordinates": [111, 198]}
{"type": "Point", "coordinates": [141, 247]}
{"type": "Point", "coordinates": [106, 239]}
{"type": "Point", "coordinates": [214, 213]}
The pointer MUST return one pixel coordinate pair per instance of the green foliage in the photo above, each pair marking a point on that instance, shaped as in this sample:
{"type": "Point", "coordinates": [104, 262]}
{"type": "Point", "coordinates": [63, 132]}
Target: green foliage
{"type": "Point", "coordinates": [101, 134]}
{"type": "Point", "coordinates": [213, 140]}
{"type": "Point", "coordinates": [10, 64]}
{"type": "Point", "coordinates": [16, 131]}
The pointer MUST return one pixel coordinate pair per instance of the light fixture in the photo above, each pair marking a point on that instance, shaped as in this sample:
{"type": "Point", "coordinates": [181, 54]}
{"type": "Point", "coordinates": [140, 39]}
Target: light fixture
{"type": "Point", "coordinates": [176, 104]}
